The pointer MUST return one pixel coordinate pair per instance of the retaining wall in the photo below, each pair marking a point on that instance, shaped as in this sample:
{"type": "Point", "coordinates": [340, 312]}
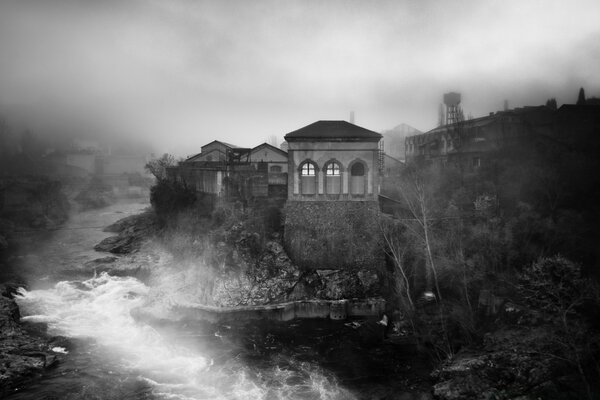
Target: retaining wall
{"type": "Point", "coordinates": [306, 309]}
{"type": "Point", "coordinates": [333, 234]}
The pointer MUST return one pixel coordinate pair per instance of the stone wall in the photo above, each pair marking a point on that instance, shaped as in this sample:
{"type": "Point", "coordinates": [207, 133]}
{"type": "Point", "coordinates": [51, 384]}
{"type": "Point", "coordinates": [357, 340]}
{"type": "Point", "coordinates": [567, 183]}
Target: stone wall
{"type": "Point", "coordinates": [333, 235]}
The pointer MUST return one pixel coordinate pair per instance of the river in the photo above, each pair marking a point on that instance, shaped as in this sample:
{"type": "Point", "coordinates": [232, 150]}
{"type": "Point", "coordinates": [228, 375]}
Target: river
{"type": "Point", "coordinates": [109, 354]}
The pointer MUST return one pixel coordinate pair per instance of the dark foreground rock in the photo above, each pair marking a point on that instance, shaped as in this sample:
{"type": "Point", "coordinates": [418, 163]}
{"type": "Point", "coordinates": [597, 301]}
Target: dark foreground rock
{"type": "Point", "coordinates": [132, 231]}
{"type": "Point", "coordinates": [22, 355]}
{"type": "Point", "coordinates": [514, 362]}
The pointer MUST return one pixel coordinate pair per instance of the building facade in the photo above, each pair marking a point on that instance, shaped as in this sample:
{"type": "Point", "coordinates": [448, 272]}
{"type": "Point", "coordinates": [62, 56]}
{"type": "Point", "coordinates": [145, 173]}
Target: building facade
{"type": "Point", "coordinates": [333, 160]}
{"type": "Point", "coordinates": [469, 142]}
{"type": "Point", "coordinates": [332, 202]}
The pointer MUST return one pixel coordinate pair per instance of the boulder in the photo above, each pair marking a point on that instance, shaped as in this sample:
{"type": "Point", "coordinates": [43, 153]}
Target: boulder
{"type": "Point", "coordinates": [21, 355]}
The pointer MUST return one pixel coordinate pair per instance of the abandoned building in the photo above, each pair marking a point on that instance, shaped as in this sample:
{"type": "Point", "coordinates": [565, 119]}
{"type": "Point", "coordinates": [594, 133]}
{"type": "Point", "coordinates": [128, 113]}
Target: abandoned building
{"type": "Point", "coordinates": [333, 188]}
{"type": "Point", "coordinates": [469, 142]}
{"type": "Point", "coordinates": [222, 172]}
{"type": "Point", "coordinates": [328, 180]}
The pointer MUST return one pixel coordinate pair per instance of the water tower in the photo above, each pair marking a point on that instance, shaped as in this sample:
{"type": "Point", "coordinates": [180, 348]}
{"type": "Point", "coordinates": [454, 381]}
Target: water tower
{"type": "Point", "coordinates": [452, 100]}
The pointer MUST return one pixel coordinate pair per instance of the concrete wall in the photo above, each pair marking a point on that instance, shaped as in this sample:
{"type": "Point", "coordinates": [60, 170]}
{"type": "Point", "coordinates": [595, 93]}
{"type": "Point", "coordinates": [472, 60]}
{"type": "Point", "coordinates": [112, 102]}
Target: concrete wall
{"type": "Point", "coordinates": [306, 309]}
{"type": "Point", "coordinates": [333, 234]}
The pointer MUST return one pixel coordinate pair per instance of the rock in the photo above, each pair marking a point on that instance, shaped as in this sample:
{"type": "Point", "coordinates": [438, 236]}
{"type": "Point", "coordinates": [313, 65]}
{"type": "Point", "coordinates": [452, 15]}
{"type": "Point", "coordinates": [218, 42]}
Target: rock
{"type": "Point", "coordinates": [101, 261]}
{"type": "Point", "coordinates": [116, 244]}
{"type": "Point", "coordinates": [21, 355]}
{"type": "Point", "coordinates": [133, 232]}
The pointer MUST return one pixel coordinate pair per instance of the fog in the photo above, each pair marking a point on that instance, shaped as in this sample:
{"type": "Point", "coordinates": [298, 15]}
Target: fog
{"type": "Point", "coordinates": [179, 74]}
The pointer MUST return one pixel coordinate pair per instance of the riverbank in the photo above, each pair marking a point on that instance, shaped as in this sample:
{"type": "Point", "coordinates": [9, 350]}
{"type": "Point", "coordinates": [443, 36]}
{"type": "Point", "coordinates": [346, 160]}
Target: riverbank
{"type": "Point", "coordinates": [24, 354]}
{"type": "Point", "coordinates": [34, 256]}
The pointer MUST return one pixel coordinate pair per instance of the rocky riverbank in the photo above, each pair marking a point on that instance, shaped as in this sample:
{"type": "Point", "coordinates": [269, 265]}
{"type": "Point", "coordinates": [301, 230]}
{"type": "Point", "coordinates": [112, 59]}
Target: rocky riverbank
{"type": "Point", "coordinates": [23, 354]}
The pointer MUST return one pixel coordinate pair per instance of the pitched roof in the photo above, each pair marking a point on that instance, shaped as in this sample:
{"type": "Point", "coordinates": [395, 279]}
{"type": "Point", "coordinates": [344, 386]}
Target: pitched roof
{"type": "Point", "coordinates": [333, 130]}
{"type": "Point", "coordinates": [270, 146]}
{"type": "Point", "coordinates": [231, 146]}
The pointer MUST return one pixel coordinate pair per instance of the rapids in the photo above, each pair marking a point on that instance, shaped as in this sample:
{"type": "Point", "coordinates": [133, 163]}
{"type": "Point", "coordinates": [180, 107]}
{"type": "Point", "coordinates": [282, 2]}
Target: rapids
{"type": "Point", "coordinates": [97, 312]}
{"type": "Point", "coordinates": [109, 354]}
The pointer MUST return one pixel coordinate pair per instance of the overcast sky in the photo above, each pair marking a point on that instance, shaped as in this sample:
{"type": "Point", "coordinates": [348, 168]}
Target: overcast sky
{"type": "Point", "coordinates": [182, 73]}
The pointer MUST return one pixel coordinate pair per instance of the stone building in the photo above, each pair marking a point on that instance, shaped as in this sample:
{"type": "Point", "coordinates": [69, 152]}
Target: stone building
{"type": "Point", "coordinates": [332, 202]}
{"type": "Point", "coordinates": [333, 160]}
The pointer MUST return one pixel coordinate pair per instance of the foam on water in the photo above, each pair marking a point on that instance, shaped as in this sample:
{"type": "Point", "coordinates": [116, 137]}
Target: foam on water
{"type": "Point", "coordinates": [100, 309]}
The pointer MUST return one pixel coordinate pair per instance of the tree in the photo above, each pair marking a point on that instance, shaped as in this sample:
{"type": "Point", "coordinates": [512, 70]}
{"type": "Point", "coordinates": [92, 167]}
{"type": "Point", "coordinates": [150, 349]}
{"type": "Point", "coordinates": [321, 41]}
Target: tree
{"type": "Point", "coordinates": [581, 97]}
{"type": "Point", "coordinates": [551, 103]}
{"type": "Point", "coordinates": [395, 246]}
{"type": "Point", "coordinates": [158, 166]}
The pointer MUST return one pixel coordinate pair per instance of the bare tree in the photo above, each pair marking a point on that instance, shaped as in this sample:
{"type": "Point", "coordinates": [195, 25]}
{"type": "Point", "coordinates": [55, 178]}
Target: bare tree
{"type": "Point", "coordinates": [396, 250]}
{"type": "Point", "coordinates": [419, 202]}
{"type": "Point", "coordinates": [158, 166]}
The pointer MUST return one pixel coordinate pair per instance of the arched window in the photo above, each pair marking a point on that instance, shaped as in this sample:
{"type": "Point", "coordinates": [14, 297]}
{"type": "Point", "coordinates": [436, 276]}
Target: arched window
{"type": "Point", "coordinates": [275, 168]}
{"type": "Point", "coordinates": [308, 178]}
{"type": "Point", "coordinates": [357, 178]}
{"type": "Point", "coordinates": [333, 179]}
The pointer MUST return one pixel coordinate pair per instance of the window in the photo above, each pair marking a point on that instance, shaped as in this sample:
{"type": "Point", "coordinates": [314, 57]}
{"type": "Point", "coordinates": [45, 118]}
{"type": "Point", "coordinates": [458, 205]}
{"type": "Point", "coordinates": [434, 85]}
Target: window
{"type": "Point", "coordinates": [275, 168]}
{"type": "Point", "coordinates": [332, 170]}
{"type": "Point", "coordinates": [357, 179]}
{"type": "Point", "coordinates": [333, 180]}
{"type": "Point", "coordinates": [308, 179]}
{"type": "Point", "coordinates": [476, 162]}
{"type": "Point", "coordinates": [307, 170]}
{"type": "Point", "coordinates": [358, 169]}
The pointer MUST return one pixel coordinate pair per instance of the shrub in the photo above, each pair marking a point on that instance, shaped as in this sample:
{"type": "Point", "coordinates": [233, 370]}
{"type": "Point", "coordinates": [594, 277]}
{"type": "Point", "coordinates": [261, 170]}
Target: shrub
{"type": "Point", "coordinates": [168, 197]}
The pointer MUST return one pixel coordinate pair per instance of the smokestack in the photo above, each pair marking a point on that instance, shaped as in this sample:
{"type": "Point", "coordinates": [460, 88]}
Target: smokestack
{"type": "Point", "coordinates": [351, 117]}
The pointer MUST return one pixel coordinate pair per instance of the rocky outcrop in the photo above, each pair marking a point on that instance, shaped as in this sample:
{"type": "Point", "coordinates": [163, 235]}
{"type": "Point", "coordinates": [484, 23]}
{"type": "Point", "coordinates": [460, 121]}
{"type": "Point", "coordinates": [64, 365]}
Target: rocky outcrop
{"type": "Point", "coordinates": [132, 231]}
{"type": "Point", "coordinates": [22, 356]}
{"type": "Point", "coordinates": [247, 281]}
{"type": "Point", "coordinates": [255, 275]}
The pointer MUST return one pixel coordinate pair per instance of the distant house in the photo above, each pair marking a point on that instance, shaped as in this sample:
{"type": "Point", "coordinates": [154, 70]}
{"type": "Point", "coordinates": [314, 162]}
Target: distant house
{"type": "Point", "coordinates": [230, 172]}
{"type": "Point", "coordinates": [276, 158]}
{"type": "Point", "coordinates": [213, 151]}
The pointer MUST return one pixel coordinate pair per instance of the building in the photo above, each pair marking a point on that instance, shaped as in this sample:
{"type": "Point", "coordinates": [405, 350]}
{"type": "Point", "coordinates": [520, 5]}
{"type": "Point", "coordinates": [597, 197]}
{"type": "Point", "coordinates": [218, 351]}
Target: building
{"type": "Point", "coordinates": [213, 152]}
{"type": "Point", "coordinates": [229, 173]}
{"type": "Point", "coordinates": [332, 201]}
{"type": "Point", "coordinates": [468, 143]}
{"type": "Point", "coordinates": [333, 160]}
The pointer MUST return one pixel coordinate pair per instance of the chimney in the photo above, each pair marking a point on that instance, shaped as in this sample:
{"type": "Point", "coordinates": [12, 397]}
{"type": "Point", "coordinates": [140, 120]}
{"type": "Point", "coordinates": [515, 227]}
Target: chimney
{"type": "Point", "coordinates": [351, 117]}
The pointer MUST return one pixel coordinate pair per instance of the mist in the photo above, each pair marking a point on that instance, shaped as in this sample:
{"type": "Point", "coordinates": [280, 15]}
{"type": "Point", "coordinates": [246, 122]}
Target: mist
{"type": "Point", "coordinates": [180, 74]}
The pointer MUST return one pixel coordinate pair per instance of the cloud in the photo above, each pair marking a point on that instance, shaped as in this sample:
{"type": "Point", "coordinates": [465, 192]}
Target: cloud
{"type": "Point", "coordinates": [184, 72]}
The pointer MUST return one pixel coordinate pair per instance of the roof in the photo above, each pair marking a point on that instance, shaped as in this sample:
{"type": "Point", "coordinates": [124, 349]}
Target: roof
{"type": "Point", "coordinates": [332, 130]}
{"type": "Point", "coordinates": [275, 149]}
{"type": "Point", "coordinates": [231, 146]}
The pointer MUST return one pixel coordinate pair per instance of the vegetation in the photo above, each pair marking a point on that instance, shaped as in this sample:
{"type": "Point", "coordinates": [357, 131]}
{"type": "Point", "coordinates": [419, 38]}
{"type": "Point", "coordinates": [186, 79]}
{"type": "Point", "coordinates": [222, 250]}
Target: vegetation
{"type": "Point", "coordinates": [518, 230]}
{"type": "Point", "coordinates": [158, 166]}
{"type": "Point", "coordinates": [168, 197]}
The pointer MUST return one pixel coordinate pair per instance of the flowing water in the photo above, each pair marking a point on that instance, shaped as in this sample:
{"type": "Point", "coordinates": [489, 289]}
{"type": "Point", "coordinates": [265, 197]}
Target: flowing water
{"type": "Point", "coordinates": [108, 354]}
